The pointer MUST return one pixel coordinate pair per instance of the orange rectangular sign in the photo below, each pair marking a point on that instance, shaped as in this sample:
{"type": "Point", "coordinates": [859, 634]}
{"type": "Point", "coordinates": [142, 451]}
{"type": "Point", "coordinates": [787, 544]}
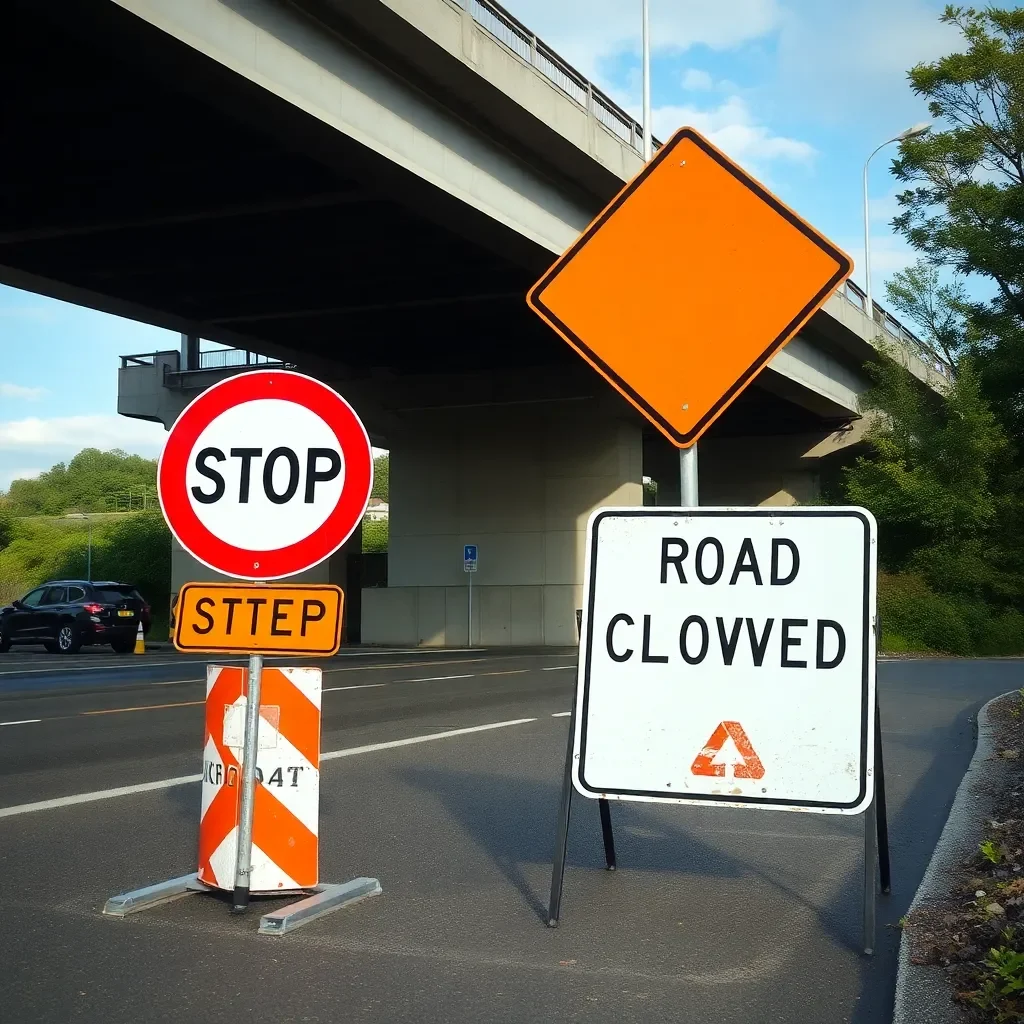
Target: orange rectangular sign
{"type": "Point", "coordinates": [687, 284]}
{"type": "Point", "coordinates": [287, 619]}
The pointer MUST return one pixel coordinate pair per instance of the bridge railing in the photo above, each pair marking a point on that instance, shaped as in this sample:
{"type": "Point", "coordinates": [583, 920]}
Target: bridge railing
{"type": "Point", "coordinates": [525, 44]}
{"type": "Point", "coordinates": [856, 296]}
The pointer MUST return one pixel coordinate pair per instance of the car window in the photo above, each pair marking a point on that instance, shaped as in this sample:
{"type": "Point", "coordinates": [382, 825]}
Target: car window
{"type": "Point", "coordinates": [75, 594]}
{"type": "Point", "coordinates": [114, 595]}
{"type": "Point", "coordinates": [53, 595]}
{"type": "Point", "coordinates": [32, 599]}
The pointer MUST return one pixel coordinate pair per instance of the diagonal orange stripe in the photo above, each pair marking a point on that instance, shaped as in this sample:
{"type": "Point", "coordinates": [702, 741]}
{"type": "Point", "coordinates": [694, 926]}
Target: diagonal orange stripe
{"type": "Point", "coordinates": [284, 839]}
{"type": "Point", "coordinates": [222, 814]}
{"type": "Point", "coordinates": [300, 719]}
{"type": "Point", "coordinates": [220, 818]}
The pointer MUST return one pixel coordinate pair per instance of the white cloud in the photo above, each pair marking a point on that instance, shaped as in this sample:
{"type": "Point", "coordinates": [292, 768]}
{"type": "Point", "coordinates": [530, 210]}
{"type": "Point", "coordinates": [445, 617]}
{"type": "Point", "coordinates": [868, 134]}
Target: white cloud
{"type": "Point", "coordinates": [850, 63]}
{"type": "Point", "coordinates": [697, 81]}
{"type": "Point", "coordinates": [585, 33]}
{"type": "Point", "coordinates": [72, 433]}
{"type": "Point", "coordinates": [889, 253]}
{"type": "Point", "coordinates": [17, 391]}
{"type": "Point", "coordinates": [732, 126]}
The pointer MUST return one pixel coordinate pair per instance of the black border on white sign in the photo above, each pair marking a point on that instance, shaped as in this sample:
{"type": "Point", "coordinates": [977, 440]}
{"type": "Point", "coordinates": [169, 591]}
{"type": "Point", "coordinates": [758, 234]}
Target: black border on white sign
{"type": "Point", "coordinates": [866, 709]}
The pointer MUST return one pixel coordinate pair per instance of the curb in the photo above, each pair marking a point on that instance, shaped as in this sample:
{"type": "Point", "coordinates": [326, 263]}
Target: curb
{"type": "Point", "coordinates": [923, 994]}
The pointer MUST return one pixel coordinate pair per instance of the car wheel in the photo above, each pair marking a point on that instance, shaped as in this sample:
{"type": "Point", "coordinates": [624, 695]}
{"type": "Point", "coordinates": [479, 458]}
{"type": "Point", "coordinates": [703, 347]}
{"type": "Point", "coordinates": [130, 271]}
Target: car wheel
{"type": "Point", "coordinates": [5, 642]}
{"type": "Point", "coordinates": [123, 646]}
{"type": "Point", "coordinates": [51, 647]}
{"type": "Point", "coordinates": [69, 638]}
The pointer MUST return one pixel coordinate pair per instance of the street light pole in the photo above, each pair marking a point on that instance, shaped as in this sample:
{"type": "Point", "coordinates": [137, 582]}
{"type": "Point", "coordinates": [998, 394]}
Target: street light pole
{"type": "Point", "coordinates": [88, 564]}
{"type": "Point", "coordinates": [909, 133]}
{"type": "Point", "coordinates": [687, 456]}
{"type": "Point", "coordinates": [646, 61]}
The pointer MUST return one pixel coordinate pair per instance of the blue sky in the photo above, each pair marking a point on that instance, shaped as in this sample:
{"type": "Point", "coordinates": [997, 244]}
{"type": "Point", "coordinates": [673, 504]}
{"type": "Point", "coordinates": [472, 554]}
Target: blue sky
{"type": "Point", "coordinates": [798, 91]}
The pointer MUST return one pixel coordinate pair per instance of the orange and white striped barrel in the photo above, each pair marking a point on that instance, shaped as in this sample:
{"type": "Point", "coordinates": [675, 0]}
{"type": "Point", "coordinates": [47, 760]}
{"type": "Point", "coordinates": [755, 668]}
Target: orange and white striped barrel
{"type": "Point", "coordinates": [285, 850]}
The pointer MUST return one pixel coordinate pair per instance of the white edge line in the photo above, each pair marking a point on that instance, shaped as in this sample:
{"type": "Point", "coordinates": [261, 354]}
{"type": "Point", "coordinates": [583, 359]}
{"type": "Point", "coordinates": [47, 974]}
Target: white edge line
{"type": "Point", "coordinates": [103, 794]}
{"type": "Point", "coordinates": [557, 668]}
{"type": "Point", "coordinates": [358, 686]}
{"type": "Point", "coordinates": [561, 714]}
{"type": "Point", "coordinates": [408, 742]}
{"type": "Point", "coordinates": [434, 679]}
{"type": "Point", "coordinates": [23, 721]}
{"type": "Point", "coordinates": [184, 780]}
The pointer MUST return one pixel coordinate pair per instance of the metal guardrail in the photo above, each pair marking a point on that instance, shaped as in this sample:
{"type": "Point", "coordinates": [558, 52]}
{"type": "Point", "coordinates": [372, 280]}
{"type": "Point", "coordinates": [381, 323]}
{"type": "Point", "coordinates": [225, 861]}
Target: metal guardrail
{"type": "Point", "coordinates": [140, 359]}
{"type": "Point", "coordinates": [227, 358]}
{"type": "Point", "coordinates": [856, 296]}
{"type": "Point", "coordinates": [528, 48]}
{"type": "Point", "coordinates": [210, 359]}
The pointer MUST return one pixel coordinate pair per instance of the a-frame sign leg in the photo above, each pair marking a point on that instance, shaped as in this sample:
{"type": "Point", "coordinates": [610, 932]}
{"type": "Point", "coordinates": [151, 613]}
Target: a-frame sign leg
{"type": "Point", "coordinates": [562, 832]}
{"type": "Point", "coordinates": [606, 834]}
{"type": "Point", "coordinates": [884, 876]}
{"type": "Point", "coordinates": [870, 875]}
{"type": "Point", "coordinates": [876, 843]}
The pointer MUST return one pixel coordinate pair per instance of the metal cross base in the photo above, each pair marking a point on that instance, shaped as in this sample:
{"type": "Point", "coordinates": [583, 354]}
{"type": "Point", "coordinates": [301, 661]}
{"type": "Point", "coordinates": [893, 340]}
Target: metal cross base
{"type": "Point", "coordinates": [324, 899]}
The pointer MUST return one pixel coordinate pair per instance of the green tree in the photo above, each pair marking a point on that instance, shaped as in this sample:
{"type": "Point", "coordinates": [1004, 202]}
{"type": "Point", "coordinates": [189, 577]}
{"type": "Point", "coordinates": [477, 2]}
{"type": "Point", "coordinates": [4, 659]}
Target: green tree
{"type": "Point", "coordinates": [6, 523]}
{"type": "Point", "coordinates": [930, 478]}
{"type": "Point", "coordinates": [940, 312]}
{"type": "Point", "coordinates": [92, 481]}
{"type": "Point", "coordinates": [381, 477]}
{"type": "Point", "coordinates": [964, 209]}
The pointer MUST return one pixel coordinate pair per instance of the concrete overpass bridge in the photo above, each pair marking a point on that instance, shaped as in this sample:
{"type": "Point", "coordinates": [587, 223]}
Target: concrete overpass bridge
{"type": "Point", "coordinates": [365, 189]}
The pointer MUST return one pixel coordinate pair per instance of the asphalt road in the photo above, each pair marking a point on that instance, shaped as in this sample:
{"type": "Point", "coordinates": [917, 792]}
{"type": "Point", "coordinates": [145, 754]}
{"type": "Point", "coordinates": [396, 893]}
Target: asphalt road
{"type": "Point", "coordinates": [732, 916]}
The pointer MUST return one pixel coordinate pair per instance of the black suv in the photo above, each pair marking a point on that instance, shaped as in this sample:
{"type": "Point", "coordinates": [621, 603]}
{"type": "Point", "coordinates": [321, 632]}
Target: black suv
{"type": "Point", "coordinates": [64, 614]}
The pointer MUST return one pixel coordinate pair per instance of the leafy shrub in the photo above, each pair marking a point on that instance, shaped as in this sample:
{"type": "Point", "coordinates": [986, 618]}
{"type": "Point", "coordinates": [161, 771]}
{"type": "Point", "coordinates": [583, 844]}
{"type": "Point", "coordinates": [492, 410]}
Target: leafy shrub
{"type": "Point", "coordinates": [375, 535]}
{"type": "Point", "coordinates": [925, 620]}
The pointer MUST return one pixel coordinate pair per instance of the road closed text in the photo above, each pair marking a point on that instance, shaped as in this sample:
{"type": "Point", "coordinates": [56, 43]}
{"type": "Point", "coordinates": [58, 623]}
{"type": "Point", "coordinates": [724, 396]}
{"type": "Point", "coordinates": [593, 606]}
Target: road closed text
{"type": "Point", "coordinates": [727, 656]}
{"type": "Point", "coordinates": [734, 640]}
{"type": "Point", "coordinates": [291, 619]}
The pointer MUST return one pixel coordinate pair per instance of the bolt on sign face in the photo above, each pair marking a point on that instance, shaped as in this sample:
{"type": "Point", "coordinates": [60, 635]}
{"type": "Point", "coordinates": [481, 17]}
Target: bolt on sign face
{"type": "Point", "coordinates": [265, 474]}
{"type": "Point", "coordinates": [727, 656]}
{"type": "Point", "coordinates": [285, 619]}
{"type": "Point", "coordinates": [687, 284]}
{"type": "Point", "coordinates": [285, 830]}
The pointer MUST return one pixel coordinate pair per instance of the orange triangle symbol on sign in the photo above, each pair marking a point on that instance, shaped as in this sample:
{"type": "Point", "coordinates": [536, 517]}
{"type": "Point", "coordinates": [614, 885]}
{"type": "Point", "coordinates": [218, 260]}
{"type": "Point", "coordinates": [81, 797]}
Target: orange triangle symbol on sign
{"type": "Point", "coordinates": [742, 759]}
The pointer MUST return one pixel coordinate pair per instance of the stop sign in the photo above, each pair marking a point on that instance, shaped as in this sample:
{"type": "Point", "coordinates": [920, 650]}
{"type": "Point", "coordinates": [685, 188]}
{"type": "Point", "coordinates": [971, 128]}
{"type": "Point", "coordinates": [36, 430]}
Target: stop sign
{"type": "Point", "coordinates": [265, 474]}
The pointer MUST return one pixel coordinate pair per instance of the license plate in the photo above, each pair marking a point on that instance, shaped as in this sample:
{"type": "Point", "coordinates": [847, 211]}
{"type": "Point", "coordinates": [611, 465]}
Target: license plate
{"type": "Point", "coordinates": [126, 615]}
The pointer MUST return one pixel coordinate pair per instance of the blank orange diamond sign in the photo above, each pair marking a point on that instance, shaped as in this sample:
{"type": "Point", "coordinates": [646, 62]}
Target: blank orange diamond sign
{"type": "Point", "coordinates": [718, 755]}
{"type": "Point", "coordinates": [687, 284]}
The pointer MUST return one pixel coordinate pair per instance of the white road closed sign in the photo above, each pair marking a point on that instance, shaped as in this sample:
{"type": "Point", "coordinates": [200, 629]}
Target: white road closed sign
{"type": "Point", "coordinates": [728, 656]}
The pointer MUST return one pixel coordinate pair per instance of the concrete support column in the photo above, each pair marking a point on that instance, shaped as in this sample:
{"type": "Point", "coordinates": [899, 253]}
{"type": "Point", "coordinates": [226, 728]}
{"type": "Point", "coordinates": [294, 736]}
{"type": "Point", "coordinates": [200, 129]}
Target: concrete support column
{"type": "Point", "coordinates": [747, 471]}
{"type": "Point", "coordinates": [519, 481]}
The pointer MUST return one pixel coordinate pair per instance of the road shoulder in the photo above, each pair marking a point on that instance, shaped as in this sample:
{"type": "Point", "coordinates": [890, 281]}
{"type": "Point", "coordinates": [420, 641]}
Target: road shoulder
{"type": "Point", "coordinates": [924, 994]}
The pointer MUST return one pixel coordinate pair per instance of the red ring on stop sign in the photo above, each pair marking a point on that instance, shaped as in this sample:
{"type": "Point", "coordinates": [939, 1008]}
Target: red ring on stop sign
{"type": "Point", "coordinates": [218, 554]}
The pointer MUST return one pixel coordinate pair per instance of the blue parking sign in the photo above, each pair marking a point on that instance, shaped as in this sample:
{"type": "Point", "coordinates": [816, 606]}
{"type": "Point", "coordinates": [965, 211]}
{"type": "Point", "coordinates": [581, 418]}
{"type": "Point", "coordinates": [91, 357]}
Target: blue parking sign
{"type": "Point", "coordinates": [469, 558]}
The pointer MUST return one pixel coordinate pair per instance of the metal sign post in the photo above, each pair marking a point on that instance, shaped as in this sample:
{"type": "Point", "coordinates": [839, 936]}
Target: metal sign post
{"type": "Point", "coordinates": [688, 492]}
{"type": "Point", "coordinates": [243, 860]}
{"type": "Point", "coordinates": [469, 564]}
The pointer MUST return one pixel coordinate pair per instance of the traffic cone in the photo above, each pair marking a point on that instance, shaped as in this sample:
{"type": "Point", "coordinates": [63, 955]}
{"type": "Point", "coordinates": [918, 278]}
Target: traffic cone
{"type": "Point", "coordinates": [140, 641]}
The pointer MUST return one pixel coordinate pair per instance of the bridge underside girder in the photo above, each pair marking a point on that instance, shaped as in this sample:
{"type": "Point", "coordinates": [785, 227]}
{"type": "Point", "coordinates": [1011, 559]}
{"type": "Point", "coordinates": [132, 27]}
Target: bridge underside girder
{"type": "Point", "coordinates": [151, 181]}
